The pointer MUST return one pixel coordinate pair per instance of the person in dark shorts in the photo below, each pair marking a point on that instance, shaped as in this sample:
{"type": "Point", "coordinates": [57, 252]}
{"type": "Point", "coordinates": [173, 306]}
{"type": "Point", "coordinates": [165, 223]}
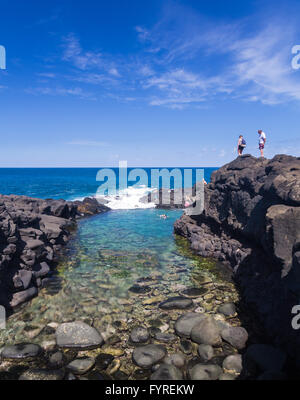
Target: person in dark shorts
{"type": "Point", "coordinates": [261, 142]}
{"type": "Point", "coordinates": [241, 145]}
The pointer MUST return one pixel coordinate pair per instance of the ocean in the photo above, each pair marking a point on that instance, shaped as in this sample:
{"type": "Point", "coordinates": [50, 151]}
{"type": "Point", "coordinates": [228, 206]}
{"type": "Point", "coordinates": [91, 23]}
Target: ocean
{"type": "Point", "coordinates": [73, 183]}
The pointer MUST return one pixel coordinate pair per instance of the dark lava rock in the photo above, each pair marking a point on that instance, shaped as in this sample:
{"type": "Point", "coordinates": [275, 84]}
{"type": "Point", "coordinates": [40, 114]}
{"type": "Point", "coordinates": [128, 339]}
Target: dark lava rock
{"type": "Point", "coordinates": [78, 335]}
{"type": "Point", "coordinates": [82, 365]}
{"type": "Point", "coordinates": [42, 375]}
{"type": "Point", "coordinates": [194, 292]}
{"type": "Point", "coordinates": [266, 357]}
{"type": "Point", "coordinates": [236, 336]}
{"type": "Point", "coordinates": [148, 355]}
{"type": "Point", "coordinates": [139, 289]}
{"type": "Point", "coordinates": [174, 303]}
{"type": "Point", "coordinates": [205, 372]}
{"type": "Point", "coordinates": [103, 360]}
{"type": "Point", "coordinates": [139, 335]}
{"type": "Point", "coordinates": [167, 372]}
{"type": "Point", "coordinates": [21, 351]}
{"type": "Point", "coordinates": [90, 206]}
{"type": "Point", "coordinates": [228, 309]}
{"type": "Point", "coordinates": [206, 332]}
{"type": "Point", "coordinates": [206, 352]}
{"type": "Point", "coordinates": [251, 222]}
{"type": "Point", "coordinates": [186, 322]}
{"type": "Point", "coordinates": [32, 233]}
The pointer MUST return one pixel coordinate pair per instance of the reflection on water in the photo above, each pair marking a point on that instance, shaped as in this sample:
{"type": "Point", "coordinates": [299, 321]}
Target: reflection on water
{"type": "Point", "coordinates": [110, 254]}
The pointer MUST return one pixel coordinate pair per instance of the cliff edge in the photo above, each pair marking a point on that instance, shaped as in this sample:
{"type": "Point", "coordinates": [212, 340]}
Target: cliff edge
{"type": "Point", "coordinates": [251, 221]}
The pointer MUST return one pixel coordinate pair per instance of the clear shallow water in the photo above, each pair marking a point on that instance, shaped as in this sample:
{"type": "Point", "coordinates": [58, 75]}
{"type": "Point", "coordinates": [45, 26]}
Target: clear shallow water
{"type": "Point", "coordinates": [108, 255]}
{"type": "Point", "coordinates": [116, 270]}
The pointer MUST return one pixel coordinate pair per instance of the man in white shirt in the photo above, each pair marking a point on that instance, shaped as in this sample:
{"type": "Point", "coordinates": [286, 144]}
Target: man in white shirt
{"type": "Point", "coordinates": [261, 141]}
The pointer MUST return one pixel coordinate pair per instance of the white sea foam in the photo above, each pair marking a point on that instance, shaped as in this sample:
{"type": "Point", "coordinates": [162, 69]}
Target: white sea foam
{"type": "Point", "coordinates": [129, 199]}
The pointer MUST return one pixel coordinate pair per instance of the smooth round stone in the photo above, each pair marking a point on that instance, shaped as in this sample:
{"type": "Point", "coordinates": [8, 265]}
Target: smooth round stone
{"type": "Point", "coordinates": [233, 363]}
{"type": "Point", "coordinates": [208, 372]}
{"type": "Point", "coordinates": [146, 356]}
{"type": "Point", "coordinates": [236, 336]}
{"type": "Point", "coordinates": [185, 323]}
{"type": "Point", "coordinates": [82, 365]}
{"type": "Point", "coordinates": [206, 352]}
{"type": "Point", "coordinates": [165, 337]}
{"type": "Point", "coordinates": [103, 360]}
{"type": "Point", "coordinates": [42, 375]}
{"type": "Point", "coordinates": [139, 335]}
{"type": "Point", "coordinates": [20, 351]}
{"type": "Point", "coordinates": [177, 359]}
{"type": "Point", "coordinates": [174, 303]}
{"type": "Point", "coordinates": [206, 332]}
{"type": "Point", "coordinates": [167, 372]}
{"type": "Point", "coordinates": [194, 292]}
{"type": "Point", "coordinates": [78, 335]}
{"type": "Point", "coordinates": [139, 289]}
{"type": "Point", "coordinates": [266, 357]}
{"type": "Point", "coordinates": [227, 309]}
{"type": "Point", "coordinates": [227, 377]}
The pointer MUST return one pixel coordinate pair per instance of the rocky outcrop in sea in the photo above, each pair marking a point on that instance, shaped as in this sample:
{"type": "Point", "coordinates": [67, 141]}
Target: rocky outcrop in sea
{"type": "Point", "coordinates": [32, 233]}
{"type": "Point", "coordinates": [251, 222]}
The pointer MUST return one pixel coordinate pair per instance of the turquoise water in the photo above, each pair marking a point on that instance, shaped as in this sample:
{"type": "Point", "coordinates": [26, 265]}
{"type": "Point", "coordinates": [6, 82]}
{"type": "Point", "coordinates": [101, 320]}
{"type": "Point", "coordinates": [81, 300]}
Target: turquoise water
{"type": "Point", "coordinates": [114, 272]}
{"type": "Point", "coordinates": [107, 256]}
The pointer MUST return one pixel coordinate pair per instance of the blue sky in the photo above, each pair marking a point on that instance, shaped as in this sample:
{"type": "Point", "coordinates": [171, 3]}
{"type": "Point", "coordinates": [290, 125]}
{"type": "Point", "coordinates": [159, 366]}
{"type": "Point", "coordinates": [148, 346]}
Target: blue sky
{"type": "Point", "coordinates": [156, 83]}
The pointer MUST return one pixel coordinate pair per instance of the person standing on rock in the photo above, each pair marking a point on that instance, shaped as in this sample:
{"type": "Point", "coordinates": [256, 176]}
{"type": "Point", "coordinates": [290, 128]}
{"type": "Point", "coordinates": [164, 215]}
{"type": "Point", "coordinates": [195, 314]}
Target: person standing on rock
{"type": "Point", "coordinates": [241, 145]}
{"type": "Point", "coordinates": [261, 141]}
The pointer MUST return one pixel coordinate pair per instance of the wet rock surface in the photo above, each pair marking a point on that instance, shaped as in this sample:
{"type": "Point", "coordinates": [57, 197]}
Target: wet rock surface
{"type": "Point", "coordinates": [176, 303]}
{"type": "Point", "coordinates": [146, 356]}
{"type": "Point", "coordinates": [20, 351]}
{"type": "Point", "coordinates": [78, 335]}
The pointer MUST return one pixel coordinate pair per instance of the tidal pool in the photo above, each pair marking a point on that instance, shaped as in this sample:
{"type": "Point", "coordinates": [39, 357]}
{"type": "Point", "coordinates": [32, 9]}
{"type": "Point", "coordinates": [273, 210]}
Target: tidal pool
{"type": "Point", "coordinates": [115, 271]}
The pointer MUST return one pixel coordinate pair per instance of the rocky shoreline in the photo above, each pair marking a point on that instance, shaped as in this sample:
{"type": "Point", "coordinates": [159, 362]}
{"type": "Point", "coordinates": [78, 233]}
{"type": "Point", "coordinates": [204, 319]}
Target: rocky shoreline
{"type": "Point", "coordinates": [251, 222]}
{"type": "Point", "coordinates": [32, 235]}
{"type": "Point", "coordinates": [181, 323]}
